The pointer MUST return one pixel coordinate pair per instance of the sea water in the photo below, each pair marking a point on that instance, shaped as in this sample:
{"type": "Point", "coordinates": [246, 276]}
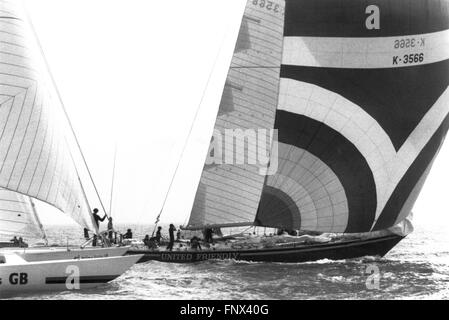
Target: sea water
{"type": "Point", "coordinates": [418, 268]}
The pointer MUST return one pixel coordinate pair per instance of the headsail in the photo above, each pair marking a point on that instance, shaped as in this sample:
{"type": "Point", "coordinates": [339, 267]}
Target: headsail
{"type": "Point", "coordinates": [34, 156]}
{"type": "Point", "coordinates": [17, 217]}
{"type": "Point", "coordinates": [363, 110]}
{"type": "Point", "coordinates": [229, 192]}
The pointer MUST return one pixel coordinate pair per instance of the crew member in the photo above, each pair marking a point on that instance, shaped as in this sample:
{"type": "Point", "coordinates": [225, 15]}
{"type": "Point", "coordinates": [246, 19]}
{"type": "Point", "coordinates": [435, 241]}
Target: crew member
{"type": "Point", "coordinates": [195, 243]}
{"type": "Point", "coordinates": [208, 235]}
{"type": "Point", "coordinates": [97, 218]}
{"type": "Point", "coordinates": [171, 232]}
{"type": "Point", "coordinates": [86, 234]}
{"type": "Point", "coordinates": [159, 235]}
{"type": "Point", "coordinates": [15, 241]}
{"type": "Point", "coordinates": [110, 229]}
{"type": "Point", "coordinates": [146, 240]}
{"type": "Point", "coordinates": [128, 234]}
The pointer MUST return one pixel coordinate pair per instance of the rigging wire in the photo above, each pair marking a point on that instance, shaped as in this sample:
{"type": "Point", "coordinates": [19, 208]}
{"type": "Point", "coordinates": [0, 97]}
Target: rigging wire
{"type": "Point", "coordinates": [96, 230]}
{"type": "Point", "coordinates": [58, 93]}
{"type": "Point", "coordinates": [189, 134]}
{"type": "Point", "coordinates": [113, 181]}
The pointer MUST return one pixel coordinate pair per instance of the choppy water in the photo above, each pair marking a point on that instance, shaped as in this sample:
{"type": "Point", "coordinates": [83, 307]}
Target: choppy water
{"type": "Point", "coordinates": [418, 268]}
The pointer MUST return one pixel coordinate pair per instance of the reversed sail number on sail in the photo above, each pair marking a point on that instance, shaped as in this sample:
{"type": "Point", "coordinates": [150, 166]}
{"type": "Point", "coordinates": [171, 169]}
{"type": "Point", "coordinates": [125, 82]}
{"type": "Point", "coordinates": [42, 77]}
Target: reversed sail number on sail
{"type": "Point", "coordinates": [409, 43]}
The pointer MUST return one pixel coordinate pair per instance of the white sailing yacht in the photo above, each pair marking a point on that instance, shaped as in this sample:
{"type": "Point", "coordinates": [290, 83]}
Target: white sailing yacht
{"type": "Point", "coordinates": [36, 162]}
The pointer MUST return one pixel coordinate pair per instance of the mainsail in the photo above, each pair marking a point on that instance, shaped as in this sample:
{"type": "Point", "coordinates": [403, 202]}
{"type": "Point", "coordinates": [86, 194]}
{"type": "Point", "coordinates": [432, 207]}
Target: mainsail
{"type": "Point", "coordinates": [363, 109]}
{"type": "Point", "coordinates": [362, 105]}
{"type": "Point", "coordinates": [35, 159]}
{"type": "Point", "coordinates": [17, 217]}
{"type": "Point", "coordinates": [229, 192]}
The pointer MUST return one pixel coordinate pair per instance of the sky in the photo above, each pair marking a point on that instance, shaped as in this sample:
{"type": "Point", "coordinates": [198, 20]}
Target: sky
{"type": "Point", "coordinates": [133, 75]}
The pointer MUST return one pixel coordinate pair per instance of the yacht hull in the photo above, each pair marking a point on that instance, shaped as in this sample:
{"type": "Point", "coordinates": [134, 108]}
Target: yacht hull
{"type": "Point", "coordinates": [51, 254]}
{"type": "Point", "coordinates": [20, 277]}
{"type": "Point", "coordinates": [348, 249]}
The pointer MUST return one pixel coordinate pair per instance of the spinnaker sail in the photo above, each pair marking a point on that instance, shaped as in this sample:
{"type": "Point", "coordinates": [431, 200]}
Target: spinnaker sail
{"type": "Point", "coordinates": [363, 109]}
{"type": "Point", "coordinates": [35, 158]}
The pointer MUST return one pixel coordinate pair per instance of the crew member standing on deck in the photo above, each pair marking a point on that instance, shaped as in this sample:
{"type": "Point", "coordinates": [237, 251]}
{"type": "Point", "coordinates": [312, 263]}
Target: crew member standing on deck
{"type": "Point", "coordinates": [171, 232]}
{"type": "Point", "coordinates": [159, 235]}
{"type": "Point", "coordinates": [208, 235]}
{"type": "Point", "coordinates": [97, 218]}
{"type": "Point", "coordinates": [110, 229]}
{"type": "Point", "coordinates": [86, 234]}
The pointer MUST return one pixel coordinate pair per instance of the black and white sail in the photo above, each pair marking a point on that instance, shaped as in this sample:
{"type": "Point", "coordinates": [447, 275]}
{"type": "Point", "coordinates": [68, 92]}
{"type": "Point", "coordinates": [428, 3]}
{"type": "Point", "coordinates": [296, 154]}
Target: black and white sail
{"type": "Point", "coordinates": [35, 159]}
{"type": "Point", "coordinates": [363, 109]}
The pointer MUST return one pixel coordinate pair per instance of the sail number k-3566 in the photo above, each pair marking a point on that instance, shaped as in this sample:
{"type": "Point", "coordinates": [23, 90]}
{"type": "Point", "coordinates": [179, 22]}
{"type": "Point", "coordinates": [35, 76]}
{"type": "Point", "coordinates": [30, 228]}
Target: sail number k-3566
{"type": "Point", "coordinates": [412, 58]}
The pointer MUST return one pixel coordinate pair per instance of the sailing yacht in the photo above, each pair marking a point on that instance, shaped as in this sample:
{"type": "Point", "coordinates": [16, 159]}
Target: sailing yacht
{"type": "Point", "coordinates": [358, 96]}
{"type": "Point", "coordinates": [36, 163]}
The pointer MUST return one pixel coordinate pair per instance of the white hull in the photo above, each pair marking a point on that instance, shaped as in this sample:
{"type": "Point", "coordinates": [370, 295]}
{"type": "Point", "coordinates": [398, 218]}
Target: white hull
{"type": "Point", "coordinates": [51, 254]}
{"type": "Point", "coordinates": [21, 277]}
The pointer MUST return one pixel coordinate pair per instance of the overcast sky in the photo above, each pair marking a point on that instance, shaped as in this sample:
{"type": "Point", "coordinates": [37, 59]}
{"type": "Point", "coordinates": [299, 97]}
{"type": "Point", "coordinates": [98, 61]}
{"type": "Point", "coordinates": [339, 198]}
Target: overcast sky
{"type": "Point", "coordinates": [132, 74]}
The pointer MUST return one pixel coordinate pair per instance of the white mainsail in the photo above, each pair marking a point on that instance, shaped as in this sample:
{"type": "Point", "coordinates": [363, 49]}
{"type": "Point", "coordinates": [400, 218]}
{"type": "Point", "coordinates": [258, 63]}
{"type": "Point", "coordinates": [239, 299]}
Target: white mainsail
{"type": "Point", "coordinates": [18, 218]}
{"type": "Point", "coordinates": [35, 158]}
{"type": "Point", "coordinates": [229, 193]}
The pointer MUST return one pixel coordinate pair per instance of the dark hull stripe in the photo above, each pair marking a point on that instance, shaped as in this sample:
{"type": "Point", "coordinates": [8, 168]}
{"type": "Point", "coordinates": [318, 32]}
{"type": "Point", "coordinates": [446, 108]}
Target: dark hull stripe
{"type": "Point", "coordinates": [397, 98]}
{"type": "Point", "coordinates": [411, 178]}
{"type": "Point", "coordinates": [347, 18]}
{"type": "Point", "coordinates": [83, 280]}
